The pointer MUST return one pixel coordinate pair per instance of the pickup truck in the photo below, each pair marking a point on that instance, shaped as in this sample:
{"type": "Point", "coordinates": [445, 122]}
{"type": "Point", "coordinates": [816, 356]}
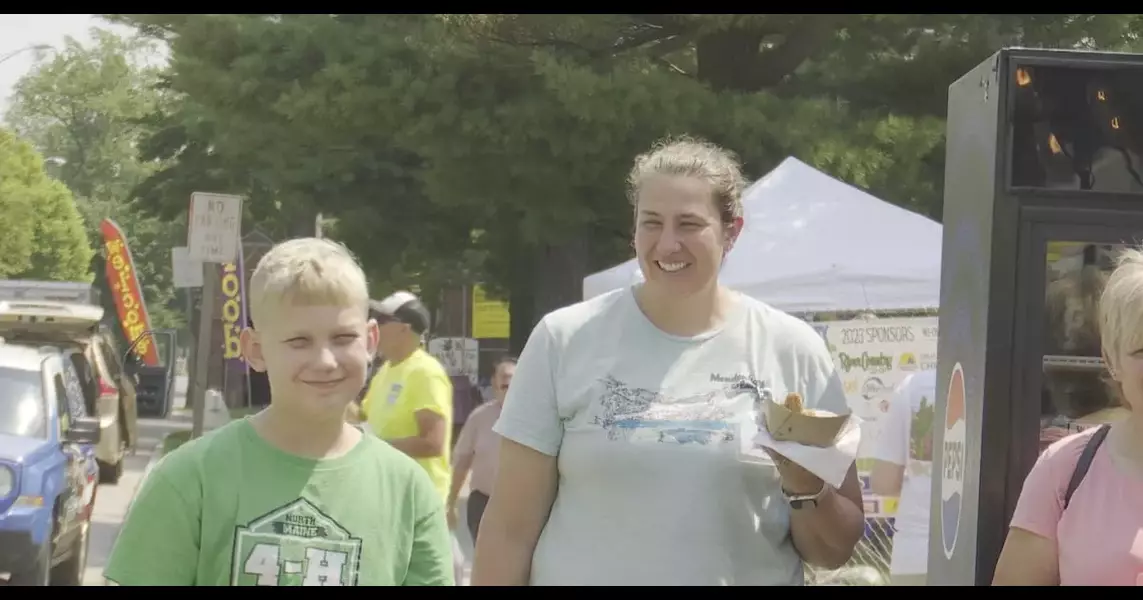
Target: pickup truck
{"type": "Point", "coordinates": [48, 471]}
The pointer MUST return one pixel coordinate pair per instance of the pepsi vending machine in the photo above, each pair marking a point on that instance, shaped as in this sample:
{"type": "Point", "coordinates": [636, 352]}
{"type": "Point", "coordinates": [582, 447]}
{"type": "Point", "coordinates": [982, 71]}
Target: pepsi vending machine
{"type": "Point", "coordinates": [1043, 184]}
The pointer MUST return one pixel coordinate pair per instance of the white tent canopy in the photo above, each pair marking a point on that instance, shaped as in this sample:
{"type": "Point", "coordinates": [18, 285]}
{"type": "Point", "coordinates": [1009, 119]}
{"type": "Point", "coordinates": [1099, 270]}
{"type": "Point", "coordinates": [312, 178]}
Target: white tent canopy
{"type": "Point", "coordinates": [815, 244]}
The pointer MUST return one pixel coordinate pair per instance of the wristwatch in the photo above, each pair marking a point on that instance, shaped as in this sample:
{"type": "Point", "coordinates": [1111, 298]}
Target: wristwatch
{"type": "Point", "coordinates": [800, 501]}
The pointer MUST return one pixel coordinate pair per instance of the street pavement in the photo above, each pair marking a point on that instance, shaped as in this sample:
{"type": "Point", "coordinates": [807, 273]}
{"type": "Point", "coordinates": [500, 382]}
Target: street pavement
{"type": "Point", "coordinates": [111, 501]}
{"type": "Point", "coordinates": [462, 536]}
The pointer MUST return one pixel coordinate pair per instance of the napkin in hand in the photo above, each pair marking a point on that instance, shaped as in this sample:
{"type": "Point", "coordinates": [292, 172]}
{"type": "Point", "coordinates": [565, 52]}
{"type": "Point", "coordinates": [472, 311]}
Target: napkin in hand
{"type": "Point", "coordinates": [830, 464]}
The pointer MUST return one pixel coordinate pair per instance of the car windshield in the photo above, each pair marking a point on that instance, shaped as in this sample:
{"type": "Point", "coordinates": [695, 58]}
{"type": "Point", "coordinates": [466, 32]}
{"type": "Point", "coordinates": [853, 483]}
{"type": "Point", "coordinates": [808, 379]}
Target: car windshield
{"type": "Point", "coordinates": [22, 403]}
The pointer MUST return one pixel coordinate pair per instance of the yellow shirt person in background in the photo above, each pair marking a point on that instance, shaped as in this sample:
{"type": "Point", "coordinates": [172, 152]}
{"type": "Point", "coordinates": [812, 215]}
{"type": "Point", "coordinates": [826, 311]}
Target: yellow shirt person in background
{"type": "Point", "coordinates": [409, 402]}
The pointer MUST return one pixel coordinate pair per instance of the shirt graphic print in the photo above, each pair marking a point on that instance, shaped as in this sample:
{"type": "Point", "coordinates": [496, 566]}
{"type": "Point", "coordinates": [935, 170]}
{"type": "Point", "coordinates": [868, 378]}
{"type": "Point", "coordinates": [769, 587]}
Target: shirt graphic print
{"type": "Point", "coordinates": [295, 545]}
{"type": "Point", "coordinates": [636, 414]}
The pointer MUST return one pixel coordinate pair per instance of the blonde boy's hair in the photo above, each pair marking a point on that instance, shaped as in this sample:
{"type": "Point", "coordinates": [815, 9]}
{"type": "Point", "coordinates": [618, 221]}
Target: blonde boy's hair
{"type": "Point", "coordinates": [1121, 308]}
{"type": "Point", "coordinates": [307, 271]}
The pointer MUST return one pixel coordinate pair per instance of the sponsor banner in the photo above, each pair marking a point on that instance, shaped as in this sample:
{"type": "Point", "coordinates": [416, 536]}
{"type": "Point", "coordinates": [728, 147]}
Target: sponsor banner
{"type": "Point", "coordinates": [125, 290]}
{"type": "Point", "coordinates": [876, 506]}
{"type": "Point", "coordinates": [873, 357]}
{"type": "Point", "coordinates": [458, 356]}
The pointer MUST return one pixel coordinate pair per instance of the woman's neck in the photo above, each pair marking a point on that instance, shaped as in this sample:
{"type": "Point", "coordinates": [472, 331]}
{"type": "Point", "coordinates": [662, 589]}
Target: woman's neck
{"type": "Point", "coordinates": [1106, 415]}
{"type": "Point", "coordinates": [1126, 441]}
{"type": "Point", "coordinates": [684, 316]}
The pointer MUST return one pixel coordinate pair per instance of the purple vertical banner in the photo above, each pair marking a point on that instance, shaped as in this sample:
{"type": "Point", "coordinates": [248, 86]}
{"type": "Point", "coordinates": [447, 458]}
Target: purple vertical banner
{"type": "Point", "coordinates": [234, 319]}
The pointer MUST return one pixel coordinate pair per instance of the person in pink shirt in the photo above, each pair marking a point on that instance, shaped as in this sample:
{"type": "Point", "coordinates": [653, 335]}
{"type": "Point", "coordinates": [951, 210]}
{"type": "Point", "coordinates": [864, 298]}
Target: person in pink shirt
{"type": "Point", "coordinates": [477, 450]}
{"type": "Point", "coordinates": [1080, 527]}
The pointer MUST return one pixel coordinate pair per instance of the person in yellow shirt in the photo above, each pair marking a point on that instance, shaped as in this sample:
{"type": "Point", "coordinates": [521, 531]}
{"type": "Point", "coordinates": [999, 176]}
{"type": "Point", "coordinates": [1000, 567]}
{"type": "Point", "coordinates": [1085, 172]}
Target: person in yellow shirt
{"type": "Point", "coordinates": [409, 401]}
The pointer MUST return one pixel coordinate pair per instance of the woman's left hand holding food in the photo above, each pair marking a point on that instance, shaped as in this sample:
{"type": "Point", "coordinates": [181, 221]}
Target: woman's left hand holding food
{"type": "Point", "coordinates": [796, 479]}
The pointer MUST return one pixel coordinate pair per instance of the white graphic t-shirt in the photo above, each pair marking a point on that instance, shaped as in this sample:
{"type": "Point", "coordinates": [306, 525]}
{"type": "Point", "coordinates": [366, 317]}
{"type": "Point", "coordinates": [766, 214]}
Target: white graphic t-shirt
{"type": "Point", "coordinates": [648, 428]}
{"type": "Point", "coordinates": [905, 437]}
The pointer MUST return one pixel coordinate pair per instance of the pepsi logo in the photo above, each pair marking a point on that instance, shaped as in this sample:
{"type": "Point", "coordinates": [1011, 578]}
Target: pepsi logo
{"type": "Point", "coordinates": [953, 461]}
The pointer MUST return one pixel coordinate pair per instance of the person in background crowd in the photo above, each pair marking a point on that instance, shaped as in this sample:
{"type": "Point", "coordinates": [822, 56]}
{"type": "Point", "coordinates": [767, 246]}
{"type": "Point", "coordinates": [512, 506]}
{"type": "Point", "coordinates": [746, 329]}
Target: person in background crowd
{"type": "Point", "coordinates": [374, 366]}
{"type": "Point", "coordinates": [409, 401]}
{"type": "Point", "coordinates": [903, 468]}
{"type": "Point", "coordinates": [466, 398]}
{"type": "Point", "coordinates": [629, 417]}
{"type": "Point", "coordinates": [1078, 521]}
{"type": "Point", "coordinates": [478, 450]}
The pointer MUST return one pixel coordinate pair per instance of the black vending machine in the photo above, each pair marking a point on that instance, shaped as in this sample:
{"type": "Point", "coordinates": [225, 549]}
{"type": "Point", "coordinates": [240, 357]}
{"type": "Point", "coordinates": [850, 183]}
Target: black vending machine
{"type": "Point", "coordinates": [1043, 184]}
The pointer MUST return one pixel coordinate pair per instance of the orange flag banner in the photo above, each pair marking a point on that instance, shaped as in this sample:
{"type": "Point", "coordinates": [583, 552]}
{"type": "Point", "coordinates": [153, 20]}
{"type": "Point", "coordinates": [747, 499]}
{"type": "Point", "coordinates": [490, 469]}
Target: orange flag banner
{"type": "Point", "coordinates": [128, 295]}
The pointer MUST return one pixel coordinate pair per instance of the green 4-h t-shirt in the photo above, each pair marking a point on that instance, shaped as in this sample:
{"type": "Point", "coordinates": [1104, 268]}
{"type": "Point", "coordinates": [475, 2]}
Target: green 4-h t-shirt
{"type": "Point", "coordinates": [230, 509]}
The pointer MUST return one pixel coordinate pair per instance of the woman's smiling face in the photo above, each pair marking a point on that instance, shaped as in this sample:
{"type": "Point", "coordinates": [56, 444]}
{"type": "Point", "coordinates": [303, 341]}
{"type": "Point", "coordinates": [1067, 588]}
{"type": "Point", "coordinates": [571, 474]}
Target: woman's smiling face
{"type": "Point", "coordinates": [679, 237]}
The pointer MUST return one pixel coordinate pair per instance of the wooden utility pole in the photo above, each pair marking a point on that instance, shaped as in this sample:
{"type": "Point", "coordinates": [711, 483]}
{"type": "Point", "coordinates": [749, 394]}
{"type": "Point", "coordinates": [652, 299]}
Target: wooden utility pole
{"type": "Point", "coordinates": [204, 347]}
{"type": "Point", "coordinates": [213, 237]}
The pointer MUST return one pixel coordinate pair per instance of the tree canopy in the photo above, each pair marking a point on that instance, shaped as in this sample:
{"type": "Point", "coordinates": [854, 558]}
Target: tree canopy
{"type": "Point", "coordinates": [86, 107]}
{"type": "Point", "coordinates": [41, 234]}
{"type": "Point", "coordinates": [452, 148]}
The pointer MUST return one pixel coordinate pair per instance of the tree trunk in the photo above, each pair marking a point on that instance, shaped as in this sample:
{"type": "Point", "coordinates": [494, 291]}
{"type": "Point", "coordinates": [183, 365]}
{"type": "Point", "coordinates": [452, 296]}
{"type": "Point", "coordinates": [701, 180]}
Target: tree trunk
{"type": "Point", "coordinates": [559, 273]}
{"type": "Point", "coordinates": [304, 222]}
{"type": "Point", "coordinates": [521, 305]}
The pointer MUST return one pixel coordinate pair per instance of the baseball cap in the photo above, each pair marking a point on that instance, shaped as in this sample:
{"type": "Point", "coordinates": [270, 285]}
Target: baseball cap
{"type": "Point", "coordinates": [404, 307]}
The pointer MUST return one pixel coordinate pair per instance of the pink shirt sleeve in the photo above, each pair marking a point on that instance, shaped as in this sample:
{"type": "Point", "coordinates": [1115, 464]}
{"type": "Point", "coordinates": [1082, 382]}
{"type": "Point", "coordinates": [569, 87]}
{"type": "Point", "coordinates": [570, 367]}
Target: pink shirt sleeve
{"type": "Point", "coordinates": [1041, 500]}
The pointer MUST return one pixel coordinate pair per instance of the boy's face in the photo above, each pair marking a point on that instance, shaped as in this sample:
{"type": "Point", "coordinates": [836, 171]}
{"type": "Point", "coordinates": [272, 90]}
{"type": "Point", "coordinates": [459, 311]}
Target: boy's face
{"type": "Point", "coordinates": [315, 357]}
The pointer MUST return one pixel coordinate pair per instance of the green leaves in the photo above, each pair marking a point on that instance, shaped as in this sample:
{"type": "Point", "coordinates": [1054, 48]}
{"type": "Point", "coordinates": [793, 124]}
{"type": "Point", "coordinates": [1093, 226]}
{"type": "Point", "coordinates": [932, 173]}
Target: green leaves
{"type": "Point", "coordinates": [414, 131]}
{"type": "Point", "coordinates": [41, 234]}
{"type": "Point", "coordinates": [86, 107]}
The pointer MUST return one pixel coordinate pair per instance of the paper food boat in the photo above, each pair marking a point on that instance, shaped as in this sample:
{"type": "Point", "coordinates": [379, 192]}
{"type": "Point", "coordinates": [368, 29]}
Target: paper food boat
{"type": "Point", "coordinates": [812, 428]}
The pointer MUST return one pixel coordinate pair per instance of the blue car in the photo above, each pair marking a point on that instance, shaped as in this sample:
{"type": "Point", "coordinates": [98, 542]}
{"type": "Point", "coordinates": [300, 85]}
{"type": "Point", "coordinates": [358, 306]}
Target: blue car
{"type": "Point", "coordinates": [48, 471]}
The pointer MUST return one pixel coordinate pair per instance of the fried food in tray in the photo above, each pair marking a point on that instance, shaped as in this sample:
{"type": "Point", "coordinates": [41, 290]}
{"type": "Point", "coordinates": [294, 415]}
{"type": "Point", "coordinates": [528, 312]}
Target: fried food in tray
{"type": "Point", "coordinates": [791, 421]}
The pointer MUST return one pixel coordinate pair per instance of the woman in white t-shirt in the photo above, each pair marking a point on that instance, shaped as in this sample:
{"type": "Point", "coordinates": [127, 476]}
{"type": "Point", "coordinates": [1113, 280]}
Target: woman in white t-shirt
{"type": "Point", "coordinates": [903, 468]}
{"type": "Point", "coordinates": [629, 413]}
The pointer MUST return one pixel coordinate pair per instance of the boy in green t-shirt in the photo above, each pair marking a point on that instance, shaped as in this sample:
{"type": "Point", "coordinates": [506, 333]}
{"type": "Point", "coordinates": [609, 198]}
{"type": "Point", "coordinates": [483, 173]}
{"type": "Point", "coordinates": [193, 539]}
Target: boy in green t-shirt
{"type": "Point", "coordinates": [293, 495]}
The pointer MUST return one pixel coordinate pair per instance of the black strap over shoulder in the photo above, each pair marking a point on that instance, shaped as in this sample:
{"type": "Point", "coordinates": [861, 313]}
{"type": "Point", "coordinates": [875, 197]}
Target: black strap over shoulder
{"type": "Point", "coordinates": [1084, 462]}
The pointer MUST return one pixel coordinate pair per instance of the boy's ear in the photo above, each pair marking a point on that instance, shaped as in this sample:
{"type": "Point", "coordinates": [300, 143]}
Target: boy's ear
{"type": "Point", "coordinates": [252, 349]}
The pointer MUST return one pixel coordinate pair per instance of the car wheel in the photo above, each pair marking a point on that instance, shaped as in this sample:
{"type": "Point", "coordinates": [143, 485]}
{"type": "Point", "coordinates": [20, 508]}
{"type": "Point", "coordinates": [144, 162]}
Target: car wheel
{"type": "Point", "coordinates": [70, 571]}
{"type": "Point", "coordinates": [39, 574]}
